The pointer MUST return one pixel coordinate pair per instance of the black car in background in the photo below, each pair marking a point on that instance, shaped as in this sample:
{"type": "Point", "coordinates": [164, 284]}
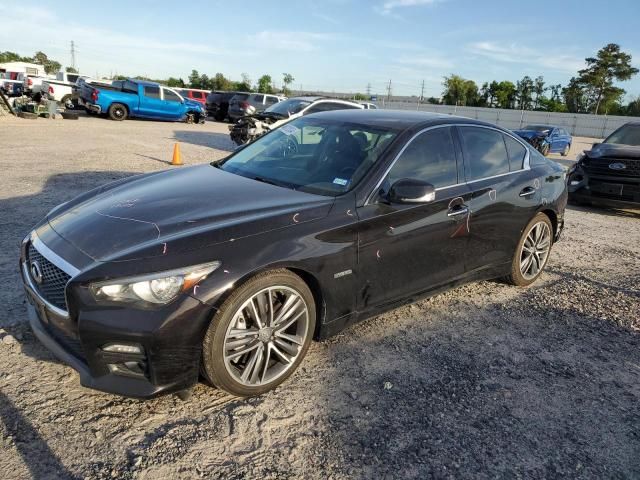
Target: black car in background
{"type": "Point", "coordinates": [218, 104]}
{"type": "Point", "coordinates": [609, 173]}
{"type": "Point", "coordinates": [230, 269]}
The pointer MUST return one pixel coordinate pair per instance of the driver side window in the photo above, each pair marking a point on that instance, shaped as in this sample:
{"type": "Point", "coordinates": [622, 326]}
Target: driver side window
{"type": "Point", "coordinates": [430, 157]}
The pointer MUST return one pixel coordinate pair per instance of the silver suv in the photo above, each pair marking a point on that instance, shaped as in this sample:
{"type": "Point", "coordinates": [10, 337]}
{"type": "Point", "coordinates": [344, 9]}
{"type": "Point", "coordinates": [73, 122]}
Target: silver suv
{"type": "Point", "coordinates": [243, 104]}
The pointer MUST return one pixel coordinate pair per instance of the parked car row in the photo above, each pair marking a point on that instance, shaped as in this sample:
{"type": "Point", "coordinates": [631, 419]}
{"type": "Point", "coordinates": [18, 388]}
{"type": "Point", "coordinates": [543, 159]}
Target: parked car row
{"type": "Point", "coordinates": [250, 127]}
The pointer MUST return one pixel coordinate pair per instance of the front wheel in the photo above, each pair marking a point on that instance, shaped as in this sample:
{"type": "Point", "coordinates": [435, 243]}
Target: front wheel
{"type": "Point", "coordinates": [118, 112]}
{"type": "Point", "coordinates": [544, 149]}
{"type": "Point", "coordinates": [532, 252]}
{"type": "Point", "coordinates": [565, 152]}
{"type": "Point", "coordinates": [260, 334]}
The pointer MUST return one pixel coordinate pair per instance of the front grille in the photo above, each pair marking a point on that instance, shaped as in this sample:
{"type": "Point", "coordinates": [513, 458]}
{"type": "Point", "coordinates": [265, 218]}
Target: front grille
{"type": "Point", "coordinates": [600, 166]}
{"type": "Point", "coordinates": [54, 279]}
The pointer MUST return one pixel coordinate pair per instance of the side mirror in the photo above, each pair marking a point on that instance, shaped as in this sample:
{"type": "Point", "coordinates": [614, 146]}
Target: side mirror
{"type": "Point", "coordinates": [407, 190]}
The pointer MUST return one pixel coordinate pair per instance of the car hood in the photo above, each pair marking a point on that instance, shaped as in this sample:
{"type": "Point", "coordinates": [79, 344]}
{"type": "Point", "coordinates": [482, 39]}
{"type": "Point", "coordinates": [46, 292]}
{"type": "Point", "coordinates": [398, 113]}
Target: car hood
{"type": "Point", "coordinates": [179, 210]}
{"type": "Point", "coordinates": [613, 150]}
{"type": "Point", "coordinates": [528, 134]}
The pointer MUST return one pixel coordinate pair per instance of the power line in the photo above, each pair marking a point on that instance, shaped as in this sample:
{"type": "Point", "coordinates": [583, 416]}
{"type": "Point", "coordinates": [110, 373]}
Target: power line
{"type": "Point", "coordinates": [389, 91]}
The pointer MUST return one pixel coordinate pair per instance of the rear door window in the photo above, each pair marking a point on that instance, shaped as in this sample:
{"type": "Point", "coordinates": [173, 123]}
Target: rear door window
{"type": "Point", "coordinates": [271, 100]}
{"type": "Point", "coordinates": [429, 157]}
{"type": "Point", "coordinates": [171, 96]}
{"type": "Point", "coordinates": [516, 152]}
{"type": "Point", "coordinates": [152, 91]}
{"type": "Point", "coordinates": [485, 153]}
{"type": "Point", "coordinates": [258, 98]}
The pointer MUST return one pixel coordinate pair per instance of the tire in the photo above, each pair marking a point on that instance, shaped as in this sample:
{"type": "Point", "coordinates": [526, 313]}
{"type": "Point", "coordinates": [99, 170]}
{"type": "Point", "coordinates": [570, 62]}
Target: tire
{"type": "Point", "coordinates": [219, 116]}
{"type": "Point", "coordinates": [565, 152]}
{"type": "Point", "coordinates": [545, 150]}
{"type": "Point", "coordinates": [68, 101]}
{"type": "Point", "coordinates": [118, 112]}
{"type": "Point", "coordinates": [519, 275]}
{"type": "Point", "coordinates": [223, 360]}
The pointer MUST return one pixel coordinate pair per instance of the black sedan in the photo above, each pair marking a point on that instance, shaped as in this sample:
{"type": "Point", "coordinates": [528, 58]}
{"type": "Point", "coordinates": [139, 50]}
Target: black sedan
{"type": "Point", "coordinates": [230, 269]}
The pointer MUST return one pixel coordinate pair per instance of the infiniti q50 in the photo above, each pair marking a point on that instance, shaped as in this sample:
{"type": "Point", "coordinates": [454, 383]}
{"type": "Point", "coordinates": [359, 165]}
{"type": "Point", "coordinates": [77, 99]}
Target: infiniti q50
{"type": "Point", "coordinates": [229, 270]}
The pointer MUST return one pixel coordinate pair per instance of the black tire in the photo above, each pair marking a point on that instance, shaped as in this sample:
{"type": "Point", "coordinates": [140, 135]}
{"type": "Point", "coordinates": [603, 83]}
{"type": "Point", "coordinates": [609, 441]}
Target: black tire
{"type": "Point", "coordinates": [219, 116]}
{"type": "Point", "coordinates": [516, 277]}
{"type": "Point", "coordinates": [70, 101]}
{"type": "Point", "coordinates": [118, 112]}
{"type": "Point", "coordinates": [213, 367]}
{"type": "Point", "coordinates": [565, 152]}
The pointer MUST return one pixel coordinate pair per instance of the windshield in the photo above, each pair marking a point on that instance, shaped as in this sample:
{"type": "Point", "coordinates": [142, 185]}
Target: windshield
{"type": "Point", "coordinates": [537, 128]}
{"type": "Point", "coordinates": [313, 155]}
{"type": "Point", "coordinates": [288, 107]}
{"type": "Point", "coordinates": [626, 135]}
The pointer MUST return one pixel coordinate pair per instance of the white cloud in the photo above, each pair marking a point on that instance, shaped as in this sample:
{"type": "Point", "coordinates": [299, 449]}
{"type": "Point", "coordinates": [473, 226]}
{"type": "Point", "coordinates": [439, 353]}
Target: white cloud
{"type": "Point", "coordinates": [515, 53]}
{"type": "Point", "coordinates": [389, 6]}
{"type": "Point", "coordinates": [426, 61]}
{"type": "Point", "coordinates": [293, 41]}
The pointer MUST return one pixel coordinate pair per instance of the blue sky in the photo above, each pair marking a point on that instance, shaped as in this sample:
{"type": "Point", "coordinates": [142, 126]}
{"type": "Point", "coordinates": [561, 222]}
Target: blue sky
{"type": "Point", "coordinates": [340, 45]}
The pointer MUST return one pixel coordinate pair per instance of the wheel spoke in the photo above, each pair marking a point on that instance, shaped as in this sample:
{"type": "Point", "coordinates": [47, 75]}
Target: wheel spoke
{"type": "Point", "coordinates": [241, 352]}
{"type": "Point", "coordinates": [267, 359]}
{"type": "Point", "coordinates": [234, 344]}
{"type": "Point", "coordinates": [284, 325]}
{"type": "Point", "coordinates": [291, 338]}
{"type": "Point", "coordinates": [270, 302]}
{"type": "Point", "coordinates": [251, 364]}
{"type": "Point", "coordinates": [287, 309]}
{"type": "Point", "coordinates": [279, 353]}
{"type": "Point", "coordinates": [242, 333]}
{"type": "Point", "coordinates": [287, 347]}
{"type": "Point", "coordinates": [256, 315]}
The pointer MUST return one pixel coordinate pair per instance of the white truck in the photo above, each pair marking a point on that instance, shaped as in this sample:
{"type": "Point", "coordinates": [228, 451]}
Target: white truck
{"type": "Point", "coordinates": [32, 84]}
{"type": "Point", "coordinates": [61, 89]}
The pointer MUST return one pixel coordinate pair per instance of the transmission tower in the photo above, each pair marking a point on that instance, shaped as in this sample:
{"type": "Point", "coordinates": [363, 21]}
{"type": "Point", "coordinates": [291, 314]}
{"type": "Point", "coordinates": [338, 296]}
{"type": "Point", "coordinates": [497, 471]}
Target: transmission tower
{"type": "Point", "coordinates": [73, 55]}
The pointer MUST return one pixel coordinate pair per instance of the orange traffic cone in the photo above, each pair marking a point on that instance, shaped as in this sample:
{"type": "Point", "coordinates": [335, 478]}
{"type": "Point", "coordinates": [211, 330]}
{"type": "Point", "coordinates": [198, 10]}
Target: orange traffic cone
{"type": "Point", "coordinates": [177, 158]}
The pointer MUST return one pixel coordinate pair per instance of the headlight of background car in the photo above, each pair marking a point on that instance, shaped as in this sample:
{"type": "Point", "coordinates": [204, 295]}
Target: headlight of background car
{"type": "Point", "coordinates": [155, 288]}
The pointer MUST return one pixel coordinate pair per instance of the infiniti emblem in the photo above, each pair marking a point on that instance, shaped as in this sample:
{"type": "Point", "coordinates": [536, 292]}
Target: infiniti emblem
{"type": "Point", "coordinates": [617, 166]}
{"type": "Point", "coordinates": [36, 272]}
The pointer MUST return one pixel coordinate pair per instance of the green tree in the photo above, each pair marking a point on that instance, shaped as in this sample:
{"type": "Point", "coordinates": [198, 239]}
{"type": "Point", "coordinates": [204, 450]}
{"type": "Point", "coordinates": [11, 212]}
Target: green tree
{"type": "Point", "coordinates": [287, 79]}
{"type": "Point", "coordinates": [575, 97]}
{"type": "Point", "coordinates": [220, 82]}
{"type": "Point", "coordinates": [70, 70]}
{"type": "Point", "coordinates": [524, 92]}
{"type": "Point", "coordinates": [174, 82]}
{"type": "Point", "coordinates": [610, 64]}
{"type": "Point", "coordinates": [244, 85]}
{"type": "Point", "coordinates": [459, 91]}
{"type": "Point", "coordinates": [194, 79]}
{"type": "Point", "coordinates": [505, 93]}
{"type": "Point", "coordinates": [264, 84]}
{"type": "Point", "coordinates": [433, 101]}
{"type": "Point", "coordinates": [538, 89]}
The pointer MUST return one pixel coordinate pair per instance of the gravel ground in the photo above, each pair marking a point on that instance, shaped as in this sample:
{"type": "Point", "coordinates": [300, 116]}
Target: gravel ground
{"type": "Point", "coordinates": [485, 381]}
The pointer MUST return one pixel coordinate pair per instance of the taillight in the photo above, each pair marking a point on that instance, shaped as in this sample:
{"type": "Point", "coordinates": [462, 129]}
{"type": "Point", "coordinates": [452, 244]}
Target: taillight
{"type": "Point", "coordinates": [244, 104]}
{"type": "Point", "coordinates": [51, 90]}
{"type": "Point", "coordinates": [94, 95]}
{"type": "Point", "coordinates": [29, 82]}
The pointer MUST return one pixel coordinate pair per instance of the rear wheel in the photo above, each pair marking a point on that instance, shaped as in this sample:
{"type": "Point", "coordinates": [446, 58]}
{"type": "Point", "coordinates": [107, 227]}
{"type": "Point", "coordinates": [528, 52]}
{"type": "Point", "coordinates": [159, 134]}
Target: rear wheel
{"type": "Point", "coordinates": [118, 112]}
{"type": "Point", "coordinates": [532, 252]}
{"type": "Point", "coordinates": [565, 152]}
{"type": "Point", "coordinates": [544, 150]}
{"type": "Point", "coordinates": [260, 334]}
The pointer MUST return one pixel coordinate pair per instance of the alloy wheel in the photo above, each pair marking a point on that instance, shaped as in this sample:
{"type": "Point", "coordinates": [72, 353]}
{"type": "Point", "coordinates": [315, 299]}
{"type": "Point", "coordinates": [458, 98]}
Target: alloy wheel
{"type": "Point", "coordinates": [535, 250]}
{"type": "Point", "coordinates": [266, 335]}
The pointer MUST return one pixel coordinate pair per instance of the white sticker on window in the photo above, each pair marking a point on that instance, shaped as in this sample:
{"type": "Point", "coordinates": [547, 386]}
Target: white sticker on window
{"type": "Point", "coordinates": [340, 181]}
{"type": "Point", "coordinates": [289, 129]}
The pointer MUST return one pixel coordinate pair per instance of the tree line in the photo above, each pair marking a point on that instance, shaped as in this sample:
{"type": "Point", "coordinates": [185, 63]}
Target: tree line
{"type": "Point", "coordinates": [592, 90]}
{"type": "Point", "coordinates": [265, 83]}
{"type": "Point", "coordinates": [40, 58]}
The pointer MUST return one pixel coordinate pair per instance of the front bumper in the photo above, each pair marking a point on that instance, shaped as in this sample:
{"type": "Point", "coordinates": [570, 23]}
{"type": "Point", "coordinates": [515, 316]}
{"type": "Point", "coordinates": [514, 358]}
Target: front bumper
{"type": "Point", "coordinates": [612, 191]}
{"type": "Point", "coordinates": [170, 339]}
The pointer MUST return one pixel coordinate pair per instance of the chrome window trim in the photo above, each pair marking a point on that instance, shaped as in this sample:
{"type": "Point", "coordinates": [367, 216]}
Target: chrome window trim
{"type": "Point", "coordinates": [59, 262]}
{"type": "Point", "coordinates": [525, 163]}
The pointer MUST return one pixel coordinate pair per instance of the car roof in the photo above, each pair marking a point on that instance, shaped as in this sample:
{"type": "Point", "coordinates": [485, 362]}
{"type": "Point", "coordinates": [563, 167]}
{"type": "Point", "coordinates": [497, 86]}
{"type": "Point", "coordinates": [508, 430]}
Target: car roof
{"type": "Point", "coordinates": [397, 119]}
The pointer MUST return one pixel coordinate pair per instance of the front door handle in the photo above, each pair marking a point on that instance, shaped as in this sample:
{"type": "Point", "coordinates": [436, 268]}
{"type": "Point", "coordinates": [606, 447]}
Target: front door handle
{"type": "Point", "coordinates": [458, 210]}
{"type": "Point", "coordinates": [527, 191]}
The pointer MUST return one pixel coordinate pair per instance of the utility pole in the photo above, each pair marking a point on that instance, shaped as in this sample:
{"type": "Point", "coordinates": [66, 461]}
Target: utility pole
{"type": "Point", "coordinates": [73, 55]}
{"type": "Point", "coordinates": [422, 92]}
{"type": "Point", "coordinates": [368, 90]}
{"type": "Point", "coordinates": [389, 91]}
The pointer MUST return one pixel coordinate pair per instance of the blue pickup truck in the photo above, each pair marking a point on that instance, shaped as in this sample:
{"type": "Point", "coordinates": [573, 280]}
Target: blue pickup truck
{"type": "Point", "coordinates": [142, 99]}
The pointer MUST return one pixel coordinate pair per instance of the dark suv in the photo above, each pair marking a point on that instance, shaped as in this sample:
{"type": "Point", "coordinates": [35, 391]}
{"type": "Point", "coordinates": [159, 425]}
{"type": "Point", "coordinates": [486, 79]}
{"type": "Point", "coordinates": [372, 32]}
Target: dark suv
{"type": "Point", "coordinates": [609, 173]}
{"type": "Point", "coordinates": [218, 104]}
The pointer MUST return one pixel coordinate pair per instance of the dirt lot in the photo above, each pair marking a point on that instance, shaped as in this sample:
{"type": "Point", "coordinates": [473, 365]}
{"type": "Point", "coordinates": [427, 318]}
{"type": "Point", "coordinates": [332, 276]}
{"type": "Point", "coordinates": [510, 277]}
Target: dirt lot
{"type": "Point", "coordinates": [486, 381]}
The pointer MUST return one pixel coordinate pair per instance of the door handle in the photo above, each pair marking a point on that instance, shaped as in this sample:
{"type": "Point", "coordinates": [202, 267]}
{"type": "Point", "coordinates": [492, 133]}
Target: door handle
{"type": "Point", "coordinates": [461, 210]}
{"type": "Point", "coordinates": [527, 191]}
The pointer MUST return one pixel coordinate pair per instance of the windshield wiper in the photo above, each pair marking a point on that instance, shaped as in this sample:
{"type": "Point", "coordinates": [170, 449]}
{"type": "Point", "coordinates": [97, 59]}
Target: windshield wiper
{"type": "Point", "coordinates": [270, 182]}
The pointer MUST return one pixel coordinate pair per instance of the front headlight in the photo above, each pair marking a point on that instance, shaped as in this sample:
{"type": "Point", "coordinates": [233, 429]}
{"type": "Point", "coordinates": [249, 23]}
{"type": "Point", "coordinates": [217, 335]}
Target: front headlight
{"type": "Point", "coordinates": [155, 288]}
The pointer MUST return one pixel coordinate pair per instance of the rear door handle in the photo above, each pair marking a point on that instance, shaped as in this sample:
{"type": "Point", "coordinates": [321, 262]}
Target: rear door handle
{"type": "Point", "coordinates": [458, 210]}
{"type": "Point", "coordinates": [527, 191]}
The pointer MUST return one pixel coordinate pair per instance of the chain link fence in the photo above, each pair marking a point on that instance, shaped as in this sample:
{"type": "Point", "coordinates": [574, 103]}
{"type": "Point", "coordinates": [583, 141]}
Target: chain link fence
{"type": "Point", "coordinates": [578, 124]}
